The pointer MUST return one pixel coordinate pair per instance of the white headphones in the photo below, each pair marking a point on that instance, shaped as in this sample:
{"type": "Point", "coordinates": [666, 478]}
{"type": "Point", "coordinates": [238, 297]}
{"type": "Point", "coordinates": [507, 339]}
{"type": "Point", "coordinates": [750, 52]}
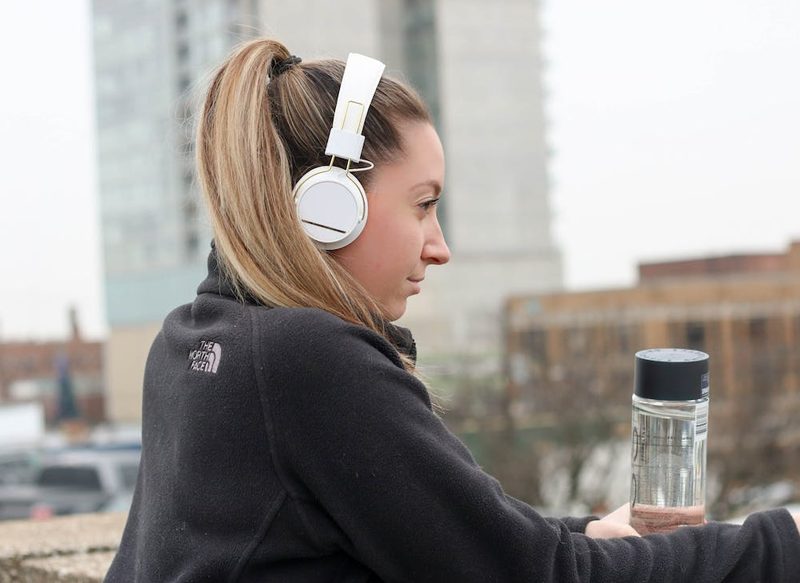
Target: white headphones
{"type": "Point", "coordinates": [331, 203]}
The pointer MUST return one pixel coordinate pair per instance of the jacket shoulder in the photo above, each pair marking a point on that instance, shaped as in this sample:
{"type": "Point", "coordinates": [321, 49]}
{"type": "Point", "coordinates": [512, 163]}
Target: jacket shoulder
{"type": "Point", "coordinates": [314, 332]}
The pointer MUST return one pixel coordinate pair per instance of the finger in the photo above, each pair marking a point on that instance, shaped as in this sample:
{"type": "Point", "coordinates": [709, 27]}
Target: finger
{"type": "Point", "coordinates": [621, 514]}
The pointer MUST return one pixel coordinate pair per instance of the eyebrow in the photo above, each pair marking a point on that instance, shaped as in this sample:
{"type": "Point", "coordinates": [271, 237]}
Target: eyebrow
{"type": "Point", "coordinates": [437, 188]}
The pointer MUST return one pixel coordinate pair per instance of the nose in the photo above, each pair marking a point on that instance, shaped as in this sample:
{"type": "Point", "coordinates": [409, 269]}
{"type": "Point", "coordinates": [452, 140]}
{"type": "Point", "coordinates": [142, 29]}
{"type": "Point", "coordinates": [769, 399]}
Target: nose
{"type": "Point", "coordinates": [435, 251]}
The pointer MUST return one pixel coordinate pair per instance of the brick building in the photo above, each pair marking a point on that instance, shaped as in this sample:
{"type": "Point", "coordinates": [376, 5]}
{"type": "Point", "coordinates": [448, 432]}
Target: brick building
{"type": "Point", "coordinates": [28, 372]}
{"type": "Point", "coordinates": [572, 354]}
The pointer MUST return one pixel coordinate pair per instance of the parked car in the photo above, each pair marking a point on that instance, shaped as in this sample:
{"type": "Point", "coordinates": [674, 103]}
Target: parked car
{"type": "Point", "coordinates": [18, 466]}
{"type": "Point", "coordinates": [72, 482]}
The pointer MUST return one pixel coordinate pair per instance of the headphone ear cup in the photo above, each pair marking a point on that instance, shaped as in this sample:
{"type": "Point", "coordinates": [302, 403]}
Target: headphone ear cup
{"type": "Point", "coordinates": [331, 205]}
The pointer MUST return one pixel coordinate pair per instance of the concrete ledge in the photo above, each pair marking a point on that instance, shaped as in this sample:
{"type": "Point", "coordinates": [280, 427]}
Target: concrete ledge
{"type": "Point", "coordinates": [72, 549]}
{"type": "Point", "coordinates": [77, 568]}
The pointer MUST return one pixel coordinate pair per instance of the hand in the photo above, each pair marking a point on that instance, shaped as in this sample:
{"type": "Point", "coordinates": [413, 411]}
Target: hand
{"type": "Point", "coordinates": [616, 524]}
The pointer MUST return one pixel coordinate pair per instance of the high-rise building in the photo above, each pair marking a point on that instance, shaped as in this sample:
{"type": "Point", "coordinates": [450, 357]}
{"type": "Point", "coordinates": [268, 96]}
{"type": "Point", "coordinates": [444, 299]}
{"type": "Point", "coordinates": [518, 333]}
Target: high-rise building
{"type": "Point", "coordinates": [477, 66]}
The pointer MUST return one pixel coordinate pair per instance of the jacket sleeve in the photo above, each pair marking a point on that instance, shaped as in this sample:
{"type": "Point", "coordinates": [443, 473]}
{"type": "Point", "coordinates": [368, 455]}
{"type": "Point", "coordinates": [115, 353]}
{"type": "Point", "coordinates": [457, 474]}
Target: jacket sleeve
{"type": "Point", "coordinates": [577, 524]}
{"type": "Point", "coordinates": [573, 524]}
{"type": "Point", "coordinates": [355, 433]}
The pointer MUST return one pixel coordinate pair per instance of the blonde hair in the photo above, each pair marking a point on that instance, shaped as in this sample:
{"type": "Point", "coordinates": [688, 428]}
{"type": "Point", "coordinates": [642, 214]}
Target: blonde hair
{"type": "Point", "coordinates": [256, 137]}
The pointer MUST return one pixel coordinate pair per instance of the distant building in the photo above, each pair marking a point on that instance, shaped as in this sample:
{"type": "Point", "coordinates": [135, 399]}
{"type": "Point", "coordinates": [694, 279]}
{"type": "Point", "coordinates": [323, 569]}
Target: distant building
{"type": "Point", "coordinates": [29, 373]}
{"type": "Point", "coordinates": [479, 69]}
{"type": "Point", "coordinates": [743, 310]}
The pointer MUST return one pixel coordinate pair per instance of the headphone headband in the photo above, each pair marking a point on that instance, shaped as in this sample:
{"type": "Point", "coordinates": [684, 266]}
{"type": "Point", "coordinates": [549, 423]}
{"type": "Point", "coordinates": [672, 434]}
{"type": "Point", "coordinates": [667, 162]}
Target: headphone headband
{"type": "Point", "coordinates": [361, 77]}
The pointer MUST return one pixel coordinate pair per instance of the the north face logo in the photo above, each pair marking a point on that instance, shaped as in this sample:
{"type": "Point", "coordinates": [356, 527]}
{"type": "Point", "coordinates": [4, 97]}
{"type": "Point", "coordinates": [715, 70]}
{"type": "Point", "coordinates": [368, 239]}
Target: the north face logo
{"type": "Point", "coordinates": [206, 357]}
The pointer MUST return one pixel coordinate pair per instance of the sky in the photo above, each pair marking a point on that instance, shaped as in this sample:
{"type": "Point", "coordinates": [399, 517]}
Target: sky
{"type": "Point", "coordinates": [674, 126]}
{"type": "Point", "coordinates": [49, 233]}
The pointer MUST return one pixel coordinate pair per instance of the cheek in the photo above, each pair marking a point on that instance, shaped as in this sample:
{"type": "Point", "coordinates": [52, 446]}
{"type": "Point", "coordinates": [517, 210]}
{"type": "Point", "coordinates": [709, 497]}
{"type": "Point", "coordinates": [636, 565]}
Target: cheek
{"type": "Point", "coordinates": [396, 244]}
{"type": "Point", "coordinates": [378, 245]}
{"type": "Point", "coordinates": [371, 254]}
{"type": "Point", "coordinates": [384, 254]}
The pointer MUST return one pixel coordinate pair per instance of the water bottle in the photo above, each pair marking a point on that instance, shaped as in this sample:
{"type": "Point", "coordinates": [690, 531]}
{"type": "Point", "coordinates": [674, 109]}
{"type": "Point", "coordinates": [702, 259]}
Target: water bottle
{"type": "Point", "coordinates": [668, 444]}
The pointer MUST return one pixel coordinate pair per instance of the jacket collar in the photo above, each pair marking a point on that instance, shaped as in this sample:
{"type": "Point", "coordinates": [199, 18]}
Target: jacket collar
{"type": "Point", "coordinates": [402, 339]}
{"type": "Point", "coordinates": [216, 282]}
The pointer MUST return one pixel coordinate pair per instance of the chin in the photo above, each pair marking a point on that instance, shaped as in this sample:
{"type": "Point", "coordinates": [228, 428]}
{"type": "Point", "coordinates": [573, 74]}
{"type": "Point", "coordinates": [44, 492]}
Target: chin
{"type": "Point", "coordinates": [395, 312]}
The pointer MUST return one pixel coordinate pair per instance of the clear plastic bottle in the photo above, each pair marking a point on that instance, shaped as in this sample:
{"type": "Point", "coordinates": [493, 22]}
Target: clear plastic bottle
{"type": "Point", "coordinates": [668, 444]}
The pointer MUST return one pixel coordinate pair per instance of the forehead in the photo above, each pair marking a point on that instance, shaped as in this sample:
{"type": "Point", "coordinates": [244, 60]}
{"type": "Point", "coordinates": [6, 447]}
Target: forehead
{"type": "Point", "coordinates": [422, 161]}
{"type": "Point", "coordinates": [423, 153]}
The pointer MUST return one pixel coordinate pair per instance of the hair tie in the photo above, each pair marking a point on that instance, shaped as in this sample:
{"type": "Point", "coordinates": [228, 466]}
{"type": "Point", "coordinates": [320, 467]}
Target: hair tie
{"type": "Point", "coordinates": [279, 67]}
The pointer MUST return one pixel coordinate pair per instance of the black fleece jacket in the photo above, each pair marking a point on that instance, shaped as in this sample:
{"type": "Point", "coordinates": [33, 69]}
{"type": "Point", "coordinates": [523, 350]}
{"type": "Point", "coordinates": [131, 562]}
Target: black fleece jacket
{"type": "Point", "coordinates": [286, 445]}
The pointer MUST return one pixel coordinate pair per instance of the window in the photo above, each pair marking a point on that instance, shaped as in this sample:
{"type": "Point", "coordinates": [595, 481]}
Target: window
{"type": "Point", "coordinates": [696, 335]}
{"type": "Point", "coordinates": [192, 243]}
{"type": "Point", "coordinates": [757, 330]}
{"type": "Point", "coordinates": [78, 477]}
{"type": "Point", "coordinates": [188, 177]}
{"type": "Point", "coordinates": [794, 355]}
{"type": "Point", "coordinates": [627, 338]}
{"type": "Point", "coordinates": [189, 210]}
{"type": "Point", "coordinates": [181, 20]}
{"type": "Point", "coordinates": [183, 52]}
{"type": "Point", "coordinates": [577, 341]}
{"type": "Point", "coordinates": [127, 474]}
{"type": "Point", "coordinates": [183, 84]}
{"type": "Point", "coordinates": [534, 343]}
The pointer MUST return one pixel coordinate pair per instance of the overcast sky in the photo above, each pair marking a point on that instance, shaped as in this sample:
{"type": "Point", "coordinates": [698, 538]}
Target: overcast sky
{"type": "Point", "coordinates": [675, 128]}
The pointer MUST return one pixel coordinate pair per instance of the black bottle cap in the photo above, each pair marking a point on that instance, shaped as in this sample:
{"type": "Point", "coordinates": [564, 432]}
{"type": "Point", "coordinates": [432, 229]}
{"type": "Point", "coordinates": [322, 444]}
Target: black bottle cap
{"type": "Point", "coordinates": [671, 374]}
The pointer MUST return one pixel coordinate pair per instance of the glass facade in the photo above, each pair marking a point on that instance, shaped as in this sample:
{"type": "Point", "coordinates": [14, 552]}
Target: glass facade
{"type": "Point", "coordinates": [421, 57]}
{"type": "Point", "coordinates": [149, 60]}
{"type": "Point", "coordinates": [419, 43]}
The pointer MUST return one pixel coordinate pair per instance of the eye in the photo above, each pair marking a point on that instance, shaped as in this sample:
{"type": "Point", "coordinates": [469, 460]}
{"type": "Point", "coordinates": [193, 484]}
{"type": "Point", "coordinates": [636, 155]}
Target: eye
{"type": "Point", "coordinates": [429, 204]}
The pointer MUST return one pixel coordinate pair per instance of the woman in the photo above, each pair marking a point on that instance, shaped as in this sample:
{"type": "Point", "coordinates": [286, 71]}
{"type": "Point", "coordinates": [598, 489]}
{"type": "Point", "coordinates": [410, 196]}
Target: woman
{"type": "Point", "coordinates": [285, 434]}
